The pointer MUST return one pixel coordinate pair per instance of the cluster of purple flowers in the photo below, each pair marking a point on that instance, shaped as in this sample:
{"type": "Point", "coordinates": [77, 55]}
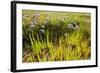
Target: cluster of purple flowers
{"type": "Point", "coordinates": [33, 22]}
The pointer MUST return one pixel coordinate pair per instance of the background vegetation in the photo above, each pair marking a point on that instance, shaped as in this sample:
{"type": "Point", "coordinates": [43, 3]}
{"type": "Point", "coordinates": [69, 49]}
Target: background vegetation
{"type": "Point", "coordinates": [56, 36]}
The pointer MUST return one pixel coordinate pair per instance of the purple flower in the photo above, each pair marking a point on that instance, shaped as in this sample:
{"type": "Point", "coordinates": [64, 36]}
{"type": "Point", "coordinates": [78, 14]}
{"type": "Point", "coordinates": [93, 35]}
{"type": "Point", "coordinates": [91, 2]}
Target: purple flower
{"type": "Point", "coordinates": [36, 15]}
{"type": "Point", "coordinates": [31, 25]}
{"type": "Point", "coordinates": [24, 16]}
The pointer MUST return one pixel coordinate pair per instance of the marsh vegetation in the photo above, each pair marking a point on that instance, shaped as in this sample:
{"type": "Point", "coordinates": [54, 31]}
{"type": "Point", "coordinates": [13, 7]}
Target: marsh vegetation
{"type": "Point", "coordinates": [55, 36]}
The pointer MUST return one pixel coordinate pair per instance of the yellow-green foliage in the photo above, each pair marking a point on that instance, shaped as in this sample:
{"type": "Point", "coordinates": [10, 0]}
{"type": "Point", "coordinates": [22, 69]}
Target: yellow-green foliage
{"type": "Point", "coordinates": [53, 38]}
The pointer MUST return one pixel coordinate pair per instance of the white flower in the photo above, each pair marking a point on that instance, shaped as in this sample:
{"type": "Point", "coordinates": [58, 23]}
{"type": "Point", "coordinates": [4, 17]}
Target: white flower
{"type": "Point", "coordinates": [73, 25]}
{"type": "Point", "coordinates": [42, 30]}
{"type": "Point", "coordinates": [70, 25]}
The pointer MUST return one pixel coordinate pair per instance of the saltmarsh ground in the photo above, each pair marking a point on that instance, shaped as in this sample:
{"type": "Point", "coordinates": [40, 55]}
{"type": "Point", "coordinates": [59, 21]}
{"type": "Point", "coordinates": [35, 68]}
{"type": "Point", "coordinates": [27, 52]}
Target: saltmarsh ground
{"type": "Point", "coordinates": [55, 36]}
